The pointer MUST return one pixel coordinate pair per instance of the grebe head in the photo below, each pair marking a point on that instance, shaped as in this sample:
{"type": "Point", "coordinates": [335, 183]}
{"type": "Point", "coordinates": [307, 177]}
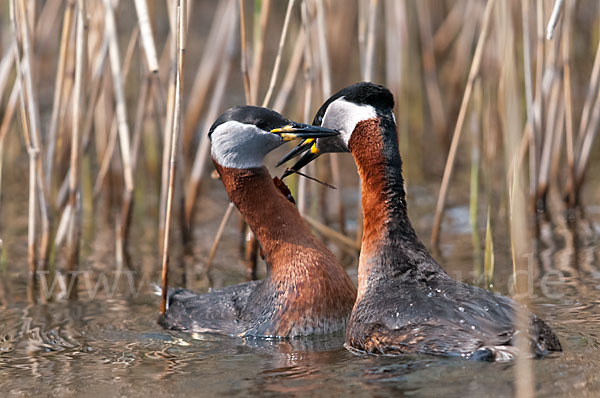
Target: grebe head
{"type": "Point", "coordinates": [342, 112]}
{"type": "Point", "coordinates": [242, 136]}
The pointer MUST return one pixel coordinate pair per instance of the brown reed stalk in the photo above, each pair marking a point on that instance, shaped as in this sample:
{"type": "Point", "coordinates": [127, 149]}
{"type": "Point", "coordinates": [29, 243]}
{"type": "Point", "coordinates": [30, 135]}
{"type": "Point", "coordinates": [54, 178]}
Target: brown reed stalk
{"type": "Point", "coordinates": [587, 143]}
{"type": "Point", "coordinates": [69, 15]}
{"type": "Point", "coordinates": [170, 108]}
{"type": "Point", "coordinates": [127, 205]}
{"type": "Point", "coordinates": [324, 67]}
{"type": "Point", "coordinates": [124, 223]}
{"type": "Point", "coordinates": [449, 28]}
{"type": "Point", "coordinates": [212, 57]}
{"type": "Point", "coordinates": [461, 52]}
{"type": "Point", "coordinates": [589, 96]}
{"type": "Point", "coordinates": [124, 69]}
{"type": "Point", "coordinates": [309, 78]}
{"type": "Point", "coordinates": [323, 51]}
{"type": "Point", "coordinates": [6, 121]}
{"type": "Point", "coordinates": [46, 21]}
{"type": "Point", "coordinates": [519, 236]}
{"type": "Point", "coordinates": [531, 125]}
{"type": "Point", "coordinates": [203, 150]}
{"type": "Point", "coordinates": [6, 65]}
{"type": "Point", "coordinates": [566, 58]}
{"type": "Point", "coordinates": [143, 105]}
{"type": "Point", "coordinates": [556, 10]}
{"type": "Point", "coordinates": [588, 127]}
{"type": "Point", "coordinates": [108, 46]}
{"type": "Point", "coordinates": [176, 127]}
{"type": "Point", "coordinates": [432, 88]}
{"type": "Point", "coordinates": [47, 17]}
{"type": "Point", "coordinates": [243, 60]}
{"type": "Point", "coordinates": [96, 78]}
{"type": "Point", "coordinates": [31, 279]}
{"type": "Point", "coordinates": [107, 158]}
{"type": "Point", "coordinates": [258, 47]}
{"type": "Point", "coordinates": [291, 74]}
{"type": "Point", "coordinates": [73, 240]}
{"type": "Point", "coordinates": [395, 45]}
{"type": "Point", "coordinates": [32, 152]}
{"type": "Point", "coordinates": [363, 24]}
{"type": "Point", "coordinates": [558, 144]}
{"type": "Point", "coordinates": [473, 73]}
{"type": "Point", "coordinates": [558, 126]}
{"type": "Point", "coordinates": [31, 213]}
{"type": "Point", "coordinates": [218, 236]}
{"type": "Point", "coordinates": [553, 117]}
{"type": "Point", "coordinates": [121, 108]}
{"type": "Point", "coordinates": [518, 226]}
{"type": "Point", "coordinates": [475, 129]}
{"type": "Point", "coordinates": [334, 235]}
{"type": "Point", "coordinates": [31, 123]}
{"type": "Point", "coordinates": [10, 108]}
{"type": "Point", "coordinates": [538, 105]}
{"type": "Point", "coordinates": [370, 45]}
{"type": "Point", "coordinates": [536, 137]}
{"type": "Point", "coordinates": [147, 38]}
{"type": "Point", "coordinates": [276, 66]}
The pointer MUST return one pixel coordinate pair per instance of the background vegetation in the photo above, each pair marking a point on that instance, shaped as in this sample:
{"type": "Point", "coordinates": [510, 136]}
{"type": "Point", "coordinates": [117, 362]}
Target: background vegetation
{"type": "Point", "coordinates": [92, 94]}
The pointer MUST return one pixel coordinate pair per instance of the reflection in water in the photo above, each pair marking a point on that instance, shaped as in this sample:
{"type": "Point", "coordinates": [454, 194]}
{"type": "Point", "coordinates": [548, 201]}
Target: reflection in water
{"type": "Point", "coordinates": [107, 342]}
{"type": "Point", "coordinates": [114, 345]}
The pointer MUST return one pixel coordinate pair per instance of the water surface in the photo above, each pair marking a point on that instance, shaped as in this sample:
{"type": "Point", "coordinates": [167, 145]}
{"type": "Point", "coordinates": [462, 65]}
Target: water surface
{"type": "Point", "coordinates": [108, 342]}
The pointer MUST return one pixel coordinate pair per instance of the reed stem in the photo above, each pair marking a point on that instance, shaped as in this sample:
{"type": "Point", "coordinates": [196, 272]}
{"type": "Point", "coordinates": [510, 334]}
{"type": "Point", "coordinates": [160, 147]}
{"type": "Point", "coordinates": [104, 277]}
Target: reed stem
{"type": "Point", "coordinates": [176, 126]}
{"type": "Point", "coordinates": [286, 24]}
{"type": "Point", "coordinates": [473, 73]}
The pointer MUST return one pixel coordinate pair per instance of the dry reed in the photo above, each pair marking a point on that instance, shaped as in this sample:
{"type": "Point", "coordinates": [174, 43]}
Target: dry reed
{"type": "Point", "coordinates": [175, 127]}
{"type": "Point", "coordinates": [85, 104]}
{"type": "Point", "coordinates": [473, 73]}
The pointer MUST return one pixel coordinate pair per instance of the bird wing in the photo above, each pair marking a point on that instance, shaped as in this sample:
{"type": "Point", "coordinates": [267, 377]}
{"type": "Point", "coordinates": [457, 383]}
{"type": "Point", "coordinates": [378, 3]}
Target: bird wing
{"type": "Point", "coordinates": [218, 311]}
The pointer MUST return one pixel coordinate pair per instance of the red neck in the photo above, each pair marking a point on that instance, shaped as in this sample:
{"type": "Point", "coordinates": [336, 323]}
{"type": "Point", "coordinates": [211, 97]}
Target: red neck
{"type": "Point", "coordinates": [389, 241]}
{"type": "Point", "coordinates": [286, 239]}
{"type": "Point", "coordinates": [307, 287]}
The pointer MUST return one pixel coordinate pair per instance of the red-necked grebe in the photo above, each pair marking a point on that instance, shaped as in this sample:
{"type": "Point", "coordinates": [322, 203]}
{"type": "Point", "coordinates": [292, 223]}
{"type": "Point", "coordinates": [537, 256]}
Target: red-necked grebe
{"type": "Point", "coordinates": [406, 302]}
{"type": "Point", "coordinates": [307, 290]}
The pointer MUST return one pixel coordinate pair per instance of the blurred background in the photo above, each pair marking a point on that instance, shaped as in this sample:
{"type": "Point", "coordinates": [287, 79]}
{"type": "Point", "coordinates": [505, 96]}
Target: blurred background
{"type": "Point", "coordinates": [515, 103]}
{"type": "Point", "coordinates": [497, 105]}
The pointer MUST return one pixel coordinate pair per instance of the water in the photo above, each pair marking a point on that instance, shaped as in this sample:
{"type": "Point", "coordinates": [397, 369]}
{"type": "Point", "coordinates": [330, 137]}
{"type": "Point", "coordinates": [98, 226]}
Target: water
{"type": "Point", "coordinates": [108, 343]}
{"type": "Point", "coordinates": [114, 347]}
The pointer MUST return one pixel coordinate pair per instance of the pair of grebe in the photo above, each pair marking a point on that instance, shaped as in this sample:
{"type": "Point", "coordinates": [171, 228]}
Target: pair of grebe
{"type": "Point", "coordinates": [406, 302]}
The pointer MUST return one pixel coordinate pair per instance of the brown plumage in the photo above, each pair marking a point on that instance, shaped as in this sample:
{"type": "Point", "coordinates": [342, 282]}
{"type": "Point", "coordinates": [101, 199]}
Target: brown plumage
{"type": "Point", "coordinates": [406, 302]}
{"type": "Point", "coordinates": [307, 291]}
{"type": "Point", "coordinates": [312, 290]}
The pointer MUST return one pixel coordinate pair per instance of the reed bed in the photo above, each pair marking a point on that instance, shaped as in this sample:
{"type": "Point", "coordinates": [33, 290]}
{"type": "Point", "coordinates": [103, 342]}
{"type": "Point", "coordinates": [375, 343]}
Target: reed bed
{"type": "Point", "coordinates": [86, 133]}
{"type": "Point", "coordinates": [94, 128]}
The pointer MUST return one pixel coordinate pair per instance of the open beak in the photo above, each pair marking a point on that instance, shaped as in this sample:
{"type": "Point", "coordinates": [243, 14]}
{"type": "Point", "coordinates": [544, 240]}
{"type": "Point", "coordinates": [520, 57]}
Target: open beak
{"type": "Point", "coordinates": [307, 148]}
{"type": "Point", "coordinates": [299, 131]}
{"type": "Point", "coordinates": [304, 146]}
{"type": "Point", "coordinates": [309, 151]}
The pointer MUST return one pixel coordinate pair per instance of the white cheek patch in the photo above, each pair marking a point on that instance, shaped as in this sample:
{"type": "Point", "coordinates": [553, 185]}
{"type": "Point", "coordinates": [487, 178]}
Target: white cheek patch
{"type": "Point", "coordinates": [241, 146]}
{"type": "Point", "coordinates": [344, 115]}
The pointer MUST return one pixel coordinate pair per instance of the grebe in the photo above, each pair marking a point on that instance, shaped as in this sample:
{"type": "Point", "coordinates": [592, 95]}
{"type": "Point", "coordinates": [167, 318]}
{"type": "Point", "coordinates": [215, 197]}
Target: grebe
{"type": "Point", "coordinates": [307, 291]}
{"type": "Point", "coordinates": [406, 302]}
